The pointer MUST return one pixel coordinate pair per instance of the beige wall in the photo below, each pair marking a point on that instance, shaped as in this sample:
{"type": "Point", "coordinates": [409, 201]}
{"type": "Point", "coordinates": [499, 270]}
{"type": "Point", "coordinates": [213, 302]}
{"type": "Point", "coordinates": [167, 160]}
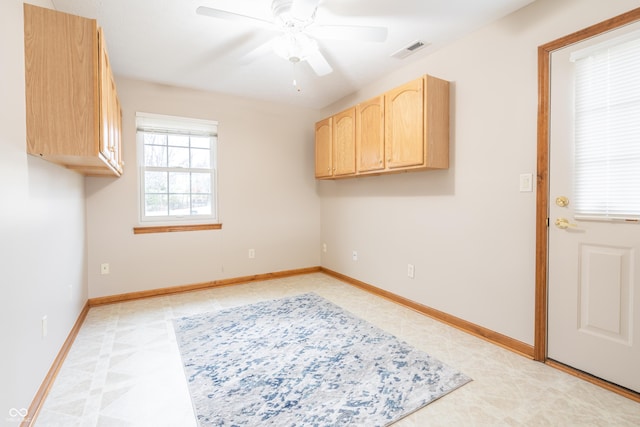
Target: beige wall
{"type": "Point", "coordinates": [267, 197]}
{"type": "Point", "coordinates": [42, 237]}
{"type": "Point", "coordinates": [469, 231]}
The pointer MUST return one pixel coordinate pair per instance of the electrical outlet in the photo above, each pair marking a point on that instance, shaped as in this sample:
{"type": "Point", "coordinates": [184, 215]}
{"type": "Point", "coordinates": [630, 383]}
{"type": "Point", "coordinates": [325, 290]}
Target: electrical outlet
{"type": "Point", "coordinates": [104, 268]}
{"type": "Point", "coordinates": [411, 272]}
{"type": "Point", "coordinates": [354, 255]}
{"type": "Point", "coordinates": [252, 253]}
{"type": "Point", "coordinates": [324, 247]}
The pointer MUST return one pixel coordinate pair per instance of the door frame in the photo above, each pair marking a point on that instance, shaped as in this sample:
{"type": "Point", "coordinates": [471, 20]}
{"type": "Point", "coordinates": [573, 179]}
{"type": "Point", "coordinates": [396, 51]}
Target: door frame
{"type": "Point", "coordinates": [542, 190]}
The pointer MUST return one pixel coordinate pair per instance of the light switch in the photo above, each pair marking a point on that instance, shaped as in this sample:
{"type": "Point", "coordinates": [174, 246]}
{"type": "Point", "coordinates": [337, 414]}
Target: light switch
{"type": "Point", "coordinates": [526, 182]}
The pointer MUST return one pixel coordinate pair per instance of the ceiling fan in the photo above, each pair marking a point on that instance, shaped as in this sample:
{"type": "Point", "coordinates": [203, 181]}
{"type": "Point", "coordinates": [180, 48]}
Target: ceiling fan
{"type": "Point", "coordinates": [295, 21]}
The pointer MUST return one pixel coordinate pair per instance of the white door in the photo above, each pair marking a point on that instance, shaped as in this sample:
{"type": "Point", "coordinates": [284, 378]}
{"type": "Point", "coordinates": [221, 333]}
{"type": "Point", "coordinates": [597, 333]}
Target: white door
{"type": "Point", "coordinates": [594, 258]}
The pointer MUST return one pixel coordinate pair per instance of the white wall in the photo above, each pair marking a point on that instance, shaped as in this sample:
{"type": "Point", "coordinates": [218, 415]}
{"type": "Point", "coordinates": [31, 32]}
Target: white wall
{"type": "Point", "coordinates": [42, 237]}
{"type": "Point", "coordinates": [468, 230]}
{"type": "Point", "coordinates": [267, 197]}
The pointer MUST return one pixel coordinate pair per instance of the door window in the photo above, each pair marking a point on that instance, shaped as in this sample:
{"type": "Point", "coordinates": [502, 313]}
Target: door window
{"type": "Point", "coordinates": [607, 129]}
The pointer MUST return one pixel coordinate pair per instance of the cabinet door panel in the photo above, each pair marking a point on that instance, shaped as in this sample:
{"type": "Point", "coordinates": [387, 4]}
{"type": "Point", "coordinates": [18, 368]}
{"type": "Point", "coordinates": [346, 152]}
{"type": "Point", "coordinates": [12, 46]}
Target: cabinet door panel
{"type": "Point", "coordinates": [436, 125]}
{"type": "Point", "coordinates": [105, 102]}
{"type": "Point", "coordinates": [323, 149]}
{"type": "Point", "coordinates": [404, 126]}
{"type": "Point", "coordinates": [61, 94]}
{"type": "Point", "coordinates": [118, 132]}
{"type": "Point", "coordinates": [370, 135]}
{"type": "Point", "coordinates": [110, 122]}
{"type": "Point", "coordinates": [344, 143]}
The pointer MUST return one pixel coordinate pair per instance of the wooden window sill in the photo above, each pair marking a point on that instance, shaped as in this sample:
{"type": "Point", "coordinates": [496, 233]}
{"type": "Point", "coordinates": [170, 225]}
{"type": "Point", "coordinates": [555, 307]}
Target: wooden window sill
{"type": "Point", "coordinates": [174, 228]}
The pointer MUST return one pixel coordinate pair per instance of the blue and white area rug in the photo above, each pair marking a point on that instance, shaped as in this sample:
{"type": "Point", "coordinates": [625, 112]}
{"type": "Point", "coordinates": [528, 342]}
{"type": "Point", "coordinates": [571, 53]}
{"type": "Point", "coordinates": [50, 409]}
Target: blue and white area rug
{"type": "Point", "coordinates": [303, 361]}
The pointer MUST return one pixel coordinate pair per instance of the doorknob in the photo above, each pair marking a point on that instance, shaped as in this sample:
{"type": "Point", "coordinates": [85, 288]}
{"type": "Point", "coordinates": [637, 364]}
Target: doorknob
{"type": "Point", "coordinates": [563, 223]}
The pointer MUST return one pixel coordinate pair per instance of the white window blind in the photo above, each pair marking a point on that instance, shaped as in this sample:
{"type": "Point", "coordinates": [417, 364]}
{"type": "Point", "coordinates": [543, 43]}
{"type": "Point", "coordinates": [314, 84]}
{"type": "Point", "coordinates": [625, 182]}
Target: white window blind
{"type": "Point", "coordinates": [607, 130]}
{"type": "Point", "coordinates": [177, 159]}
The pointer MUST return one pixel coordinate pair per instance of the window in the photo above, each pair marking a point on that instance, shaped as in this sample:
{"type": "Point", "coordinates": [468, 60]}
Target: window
{"type": "Point", "coordinates": [177, 163]}
{"type": "Point", "coordinates": [607, 129]}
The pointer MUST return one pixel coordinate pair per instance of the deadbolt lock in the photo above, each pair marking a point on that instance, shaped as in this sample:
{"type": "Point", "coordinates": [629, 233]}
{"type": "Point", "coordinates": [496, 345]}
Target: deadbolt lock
{"type": "Point", "coordinates": [562, 201]}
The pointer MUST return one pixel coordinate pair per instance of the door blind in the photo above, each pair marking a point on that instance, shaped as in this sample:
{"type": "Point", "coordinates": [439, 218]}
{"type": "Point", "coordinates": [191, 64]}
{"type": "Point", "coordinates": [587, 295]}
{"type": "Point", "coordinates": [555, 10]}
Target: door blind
{"type": "Point", "coordinates": [607, 130]}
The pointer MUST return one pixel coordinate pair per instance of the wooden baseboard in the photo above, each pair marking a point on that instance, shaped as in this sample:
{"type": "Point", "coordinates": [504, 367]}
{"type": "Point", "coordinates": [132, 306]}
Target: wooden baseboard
{"type": "Point", "coordinates": [630, 394]}
{"type": "Point", "coordinates": [47, 383]}
{"type": "Point", "coordinates": [493, 337]}
{"type": "Point", "coordinates": [471, 328]}
{"type": "Point", "coordinates": [199, 286]}
{"type": "Point", "coordinates": [486, 334]}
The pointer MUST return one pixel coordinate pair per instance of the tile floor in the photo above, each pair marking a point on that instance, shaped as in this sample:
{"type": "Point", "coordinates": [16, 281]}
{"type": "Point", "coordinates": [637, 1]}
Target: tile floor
{"type": "Point", "coordinates": [124, 368]}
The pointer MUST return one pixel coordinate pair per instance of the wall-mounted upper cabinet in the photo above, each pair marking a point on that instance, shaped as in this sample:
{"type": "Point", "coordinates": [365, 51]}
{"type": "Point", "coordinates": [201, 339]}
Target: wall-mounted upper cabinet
{"type": "Point", "coordinates": [73, 113]}
{"type": "Point", "coordinates": [406, 128]}
{"type": "Point", "coordinates": [336, 145]}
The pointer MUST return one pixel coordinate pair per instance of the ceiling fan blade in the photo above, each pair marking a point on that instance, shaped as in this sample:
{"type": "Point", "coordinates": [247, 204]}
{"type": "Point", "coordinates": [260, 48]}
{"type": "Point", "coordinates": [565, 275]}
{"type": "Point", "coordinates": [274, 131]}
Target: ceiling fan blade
{"type": "Point", "coordinates": [319, 63]}
{"type": "Point", "coordinates": [304, 9]}
{"type": "Point", "coordinates": [230, 16]}
{"type": "Point", "coordinates": [262, 50]}
{"type": "Point", "coordinates": [349, 32]}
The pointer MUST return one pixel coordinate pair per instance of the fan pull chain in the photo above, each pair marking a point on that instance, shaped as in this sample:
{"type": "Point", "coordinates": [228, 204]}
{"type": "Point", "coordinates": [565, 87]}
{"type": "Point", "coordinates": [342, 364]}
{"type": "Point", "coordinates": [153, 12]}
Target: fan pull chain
{"type": "Point", "coordinates": [295, 81]}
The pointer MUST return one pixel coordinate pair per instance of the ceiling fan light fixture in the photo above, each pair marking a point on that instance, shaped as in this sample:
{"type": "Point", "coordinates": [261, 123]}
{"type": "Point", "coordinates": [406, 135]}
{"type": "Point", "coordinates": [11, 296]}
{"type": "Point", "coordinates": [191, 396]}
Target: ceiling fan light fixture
{"type": "Point", "coordinates": [294, 47]}
{"type": "Point", "coordinates": [286, 18]}
{"type": "Point", "coordinates": [295, 19]}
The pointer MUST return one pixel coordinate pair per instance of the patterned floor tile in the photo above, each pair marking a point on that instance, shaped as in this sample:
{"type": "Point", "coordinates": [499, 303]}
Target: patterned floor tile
{"type": "Point", "coordinates": [124, 368]}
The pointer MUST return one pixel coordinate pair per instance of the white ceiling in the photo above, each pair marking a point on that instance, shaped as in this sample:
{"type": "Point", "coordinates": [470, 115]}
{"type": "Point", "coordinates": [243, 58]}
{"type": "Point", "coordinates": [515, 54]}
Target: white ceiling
{"type": "Point", "coordinates": [165, 41]}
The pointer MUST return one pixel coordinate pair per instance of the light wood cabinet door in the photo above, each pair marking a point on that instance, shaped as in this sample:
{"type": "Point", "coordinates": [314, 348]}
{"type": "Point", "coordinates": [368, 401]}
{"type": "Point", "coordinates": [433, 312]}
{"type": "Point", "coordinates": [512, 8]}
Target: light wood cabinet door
{"type": "Point", "coordinates": [370, 135]}
{"type": "Point", "coordinates": [110, 112]}
{"type": "Point", "coordinates": [324, 153]}
{"type": "Point", "coordinates": [404, 125]}
{"type": "Point", "coordinates": [72, 111]}
{"type": "Point", "coordinates": [60, 81]}
{"type": "Point", "coordinates": [436, 122]}
{"type": "Point", "coordinates": [344, 143]}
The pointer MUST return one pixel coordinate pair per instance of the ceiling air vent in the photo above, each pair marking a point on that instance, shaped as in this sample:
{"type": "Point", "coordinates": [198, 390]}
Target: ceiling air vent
{"type": "Point", "coordinates": [408, 50]}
